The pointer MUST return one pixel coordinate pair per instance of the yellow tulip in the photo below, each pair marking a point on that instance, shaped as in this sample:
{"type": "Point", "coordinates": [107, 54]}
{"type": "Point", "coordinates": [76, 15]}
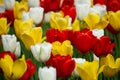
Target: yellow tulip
{"type": "Point", "coordinates": [58, 21]}
{"type": "Point", "coordinates": [32, 37]}
{"type": "Point", "coordinates": [22, 26]}
{"type": "Point", "coordinates": [13, 70]}
{"type": "Point", "coordinates": [19, 8]}
{"type": "Point", "coordinates": [89, 70]}
{"type": "Point", "coordinates": [76, 25]}
{"type": "Point", "coordinates": [94, 22]}
{"type": "Point", "coordinates": [4, 27]}
{"type": "Point", "coordinates": [113, 18]}
{"type": "Point", "coordinates": [62, 49]}
{"type": "Point", "coordinates": [1, 2]}
{"type": "Point", "coordinates": [109, 66]}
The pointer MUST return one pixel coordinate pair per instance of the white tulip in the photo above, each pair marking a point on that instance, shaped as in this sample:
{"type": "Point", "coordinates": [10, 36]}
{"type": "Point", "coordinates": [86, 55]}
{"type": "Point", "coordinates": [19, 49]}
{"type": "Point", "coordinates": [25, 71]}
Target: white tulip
{"type": "Point", "coordinates": [9, 4]}
{"type": "Point", "coordinates": [82, 10]}
{"type": "Point", "coordinates": [95, 57]}
{"type": "Point", "coordinates": [47, 73]}
{"type": "Point", "coordinates": [83, 2]}
{"type": "Point", "coordinates": [2, 8]}
{"type": "Point", "coordinates": [98, 33]}
{"type": "Point", "coordinates": [25, 16]}
{"type": "Point", "coordinates": [79, 61]}
{"type": "Point", "coordinates": [34, 3]}
{"type": "Point", "coordinates": [36, 14]}
{"type": "Point", "coordinates": [10, 44]}
{"type": "Point", "coordinates": [47, 17]}
{"type": "Point", "coordinates": [100, 9]}
{"type": "Point", "coordinates": [41, 52]}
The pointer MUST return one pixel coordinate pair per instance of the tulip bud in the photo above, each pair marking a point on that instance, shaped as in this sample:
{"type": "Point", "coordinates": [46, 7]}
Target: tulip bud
{"type": "Point", "coordinates": [47, 73]}
{"type": "Point", "coordinates": [10, 44]}
{"type": "Point", "coordinates": [9, 4]}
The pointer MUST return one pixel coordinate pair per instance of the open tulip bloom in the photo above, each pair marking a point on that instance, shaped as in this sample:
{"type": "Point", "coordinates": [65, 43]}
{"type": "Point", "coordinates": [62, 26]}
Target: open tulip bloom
{"type": "Point", "coordinates": [59, 39]}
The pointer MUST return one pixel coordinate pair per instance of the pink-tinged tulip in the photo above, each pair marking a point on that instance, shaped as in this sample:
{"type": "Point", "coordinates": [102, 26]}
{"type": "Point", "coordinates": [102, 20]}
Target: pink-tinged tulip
{"type": "Point", "coordinates": [64, 65]}
{"type": "Point", "coordinates": [47, 73]}
{"type": "Point", "coordinates": [84, 40]}
{"type": "Point", "coordinates": [103, 46]}
{"type": "Point", "coordinates": [31, 68]}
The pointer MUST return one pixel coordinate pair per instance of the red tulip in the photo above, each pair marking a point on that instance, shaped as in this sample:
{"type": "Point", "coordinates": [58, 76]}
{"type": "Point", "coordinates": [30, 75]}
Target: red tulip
{"type": "Point", "coordinates": [10, 16]}
{"type": "Point", "coordinates": [113, 5]}
{"type": "Point", "coordinates": [56, 35]}
{"type": "Point", "coordinates": [103, 46]}
{"type": "Point", "coordinates": [2, 15]}
{"type": "Point", "coordinates": [68, 2]}
{"type": "Point", "coordinates": [110, 29]}
{"type": "Point", "coordinates": [70, 11]}
{"type": "Point", "coordinates": [102, 2]}
{"type": "Point", "coordinates": [84, 40]}
{"type": "Point", "coordinates": [64, 65]}
{"type": "Point", "coordinates": [30, 70]}
{"type": "Point", "coordinates": [50, 5]}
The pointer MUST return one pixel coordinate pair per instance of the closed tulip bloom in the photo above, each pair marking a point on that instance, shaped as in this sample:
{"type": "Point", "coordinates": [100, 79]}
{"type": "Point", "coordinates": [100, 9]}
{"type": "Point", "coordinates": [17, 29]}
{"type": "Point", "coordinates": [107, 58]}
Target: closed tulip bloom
{"type": "Point", "coordinates": [9, 4]}
{"type": "Point", "coordinates": [103, 46]}
{"type": "Point", "coordinates": [83, 2]}
{"type": "Point", "coordinates": [113, 18]}
{"type": "Point", "coordinates": [13, 69]}
{"type": "Point", "coordinates": [88, 70]}
{"type": "Point", "coordinates": [109, 66]}
{"type": "Point", "coordinates": [34, 3]}
{"type": "Point", "coordinates": [46, 73]}
{"type": "Point", "coordinates": [7, 41]}
{"type": "Point", "coordinates": [36, 14]}
{"type": "Point", "coordinates": [32, 37]}
{"type": "Point", "coordinates": [25, 16]}
{"type": "Point", "coordinates": [41, 52]}
{"type": "Point", "coordinates": [4, 27]}
{"type": "Point", "coordinates": [62, 49]}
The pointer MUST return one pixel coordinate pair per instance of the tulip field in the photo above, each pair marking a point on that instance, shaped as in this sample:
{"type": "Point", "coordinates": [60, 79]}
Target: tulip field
{"type": "Point", "coordinates": [59, 40]}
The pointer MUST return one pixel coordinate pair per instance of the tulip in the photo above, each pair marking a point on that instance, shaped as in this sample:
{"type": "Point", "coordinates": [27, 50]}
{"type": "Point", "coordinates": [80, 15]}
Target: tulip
{"type": "Point", "coordinates": [1, 2]}
{"type": "Point", "coordinates": [31, 68]}
{"type": "Point", "coordinates": [15, 70]}
{"type": "Point", "coordinates": [103, 46]}
{"type": "Point", "coordinates": [77, 61]}
{"type": "Point", "coordinates": [62, 49]}
{"type": "Point", "coordinates": [47, 73]}
{"type": "Point", "coordinates": [102, 2]}
{"type": "Point", "coordinates": [84, 40]}
{"type": "Point", "coordinates": [109, 66]}
{"type": "Point", "coordinates": [93, 21]}
{"type": "Point", "coordinates": [25, 16]}
{"type": "Point", "coordinates": [82, 11]}
{"type": "Point", "coordinates": [7, 41]}
{"type": "Point", "coordinates": [22, 26]}
{"type": "Point", "coordinates": [67, 3]}
{"type": "Point", "coordinates": [56, 35]}
{"type": "Point", "coordinates": [88, 70]}
{"type": "Point", "coordinates": [18, 9]}
{"type": "Point", "coordinates": [83, 2]}
{"type": "Point", "coordinates": [41, 52]}
{"type": "Point", "coordinates": [113, 18]}
{"type": "Point", "coordinates": [36, 14]}
{"type": "Point", "coordinates": [58, 21]}
{"type": "Point", "coordinates": [98, 33]}
{"type": "Point", "coordinates": [100, 9]}
{"type": "Point", "coordinates": [4, 27]}
{"type": "Point", "coordinates": [9, 4]}
{"type": "Point", "coordinates": [34, 3]}
{"type": "Point", "coordinates": [32, 37]}
{"type": "Point", "coordinates": [64, 65]}
{"type": "Point", "coordinates": [2, 9]}
{"type": "Point", "coordinates": [47, 17]}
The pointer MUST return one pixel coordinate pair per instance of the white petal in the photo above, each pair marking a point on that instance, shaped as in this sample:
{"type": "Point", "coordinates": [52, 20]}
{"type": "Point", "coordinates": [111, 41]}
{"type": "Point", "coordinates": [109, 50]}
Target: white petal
{"type": "Point", "coordinates": [45, 51]}
{"type": "Point", "coordinates": [82, 10]}
{"type": "Point", "coordinates": [18, 50]}
{"type": "Point", "coordinates": [83, 2]}
{"type": "Point", "coordinates": [25, 16]}
{"type": "Point", "coordinates": [95, 57]}
{"type": "Point", "coordinates": [2, 8]}
{"type": "Point", "coordinates": [34, 3]}
{"type": "Point", "coordinates": [100, 9]}
{"type": "Point", "coordinates": [9, 4]}
{"type": "Point", "coordinates": [35, 51]}
{"type": "Point", "coordinates": [36, 14]}
{"type": "Point", "coordinates": [47, 17]}
{"type": "Point", "coordinates": [47, 73]}
{"type": "Point", "coordinates": [98, 33]}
